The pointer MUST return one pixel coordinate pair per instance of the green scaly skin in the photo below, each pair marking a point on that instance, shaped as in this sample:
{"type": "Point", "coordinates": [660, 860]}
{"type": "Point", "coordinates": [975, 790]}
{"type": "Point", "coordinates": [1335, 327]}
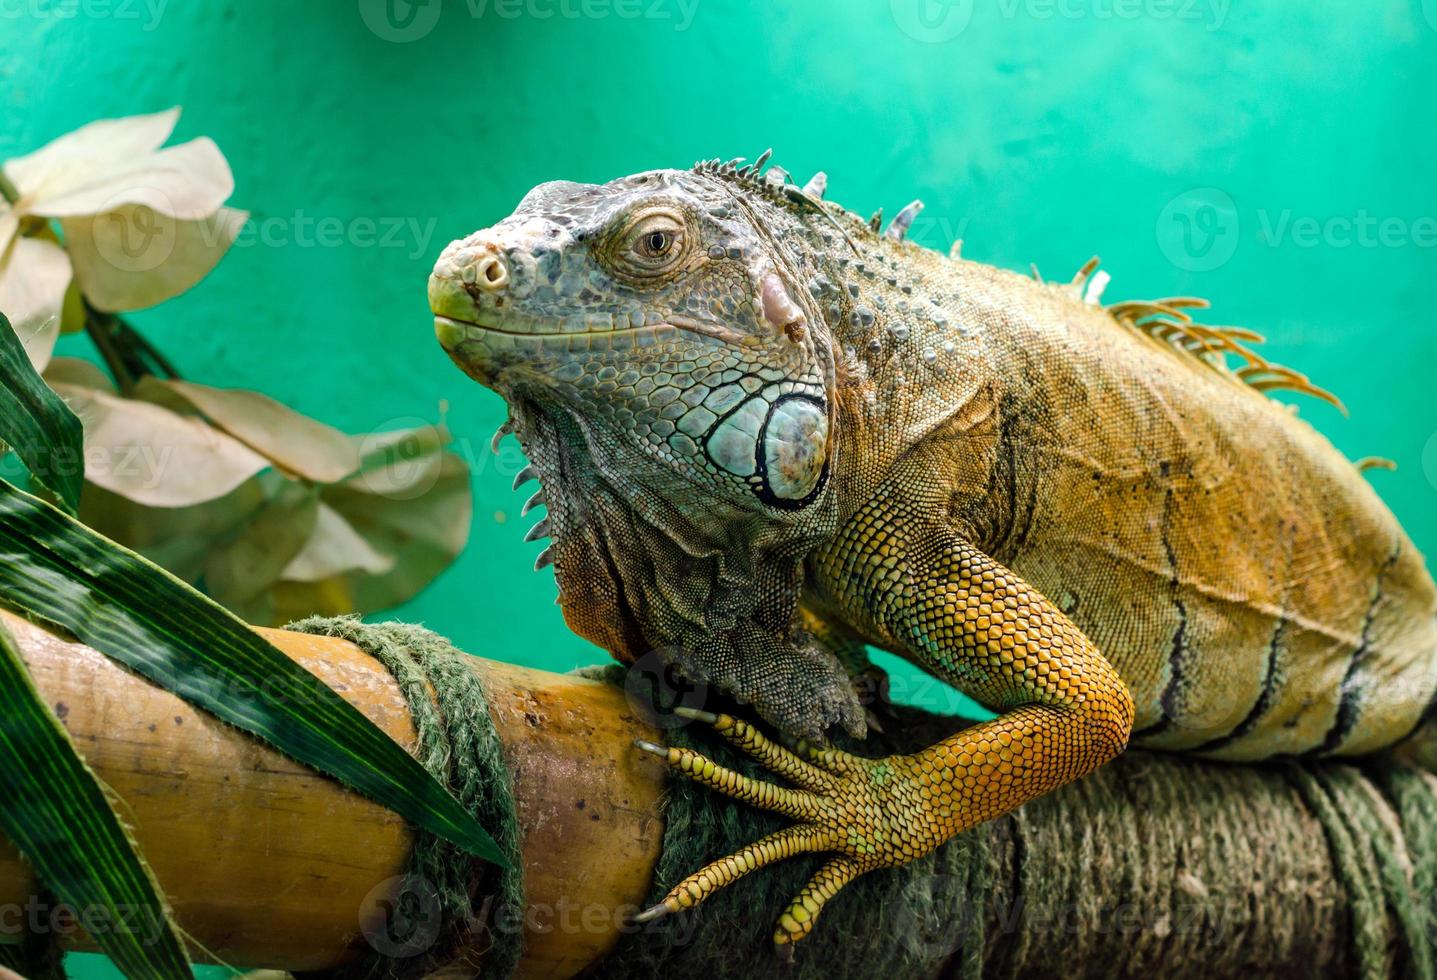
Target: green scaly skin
{"type": "Point", "coordinates": [768, 434]}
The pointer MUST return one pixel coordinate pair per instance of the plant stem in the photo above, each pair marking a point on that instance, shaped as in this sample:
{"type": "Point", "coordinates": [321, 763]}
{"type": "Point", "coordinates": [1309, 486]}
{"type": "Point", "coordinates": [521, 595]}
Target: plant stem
{"type": "Point", "coordinates": [126, 353]}
{"type": "Point", "coordinates": [124, 369]}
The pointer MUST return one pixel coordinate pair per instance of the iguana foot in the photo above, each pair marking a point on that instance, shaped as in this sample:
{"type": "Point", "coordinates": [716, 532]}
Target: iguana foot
{"type": "Point", "coordinates": [868, 812]}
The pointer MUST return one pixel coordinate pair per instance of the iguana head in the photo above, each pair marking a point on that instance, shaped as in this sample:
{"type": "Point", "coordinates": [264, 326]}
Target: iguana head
{"type": "Point", "coordinates": [662, 310]}
{"type": "Point", "coordinates": [669, 374]}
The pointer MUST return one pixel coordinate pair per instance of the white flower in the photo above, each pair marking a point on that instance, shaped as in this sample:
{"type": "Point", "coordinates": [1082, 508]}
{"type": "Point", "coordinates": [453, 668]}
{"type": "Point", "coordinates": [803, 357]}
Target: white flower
{"type": "Point", "coordinates": [140, 223]}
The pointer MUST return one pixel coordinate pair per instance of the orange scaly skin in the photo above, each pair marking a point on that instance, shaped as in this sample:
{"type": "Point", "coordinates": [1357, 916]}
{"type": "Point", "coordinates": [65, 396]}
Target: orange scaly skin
{"type": "Point", "coordinates": [1066, 712]}
{"type": "Point", "coordinates": [769, 435]}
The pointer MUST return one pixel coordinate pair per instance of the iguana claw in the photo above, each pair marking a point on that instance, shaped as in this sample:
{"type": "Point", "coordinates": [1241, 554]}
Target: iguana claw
{"type": "Point", "coordinates": [857, 808]}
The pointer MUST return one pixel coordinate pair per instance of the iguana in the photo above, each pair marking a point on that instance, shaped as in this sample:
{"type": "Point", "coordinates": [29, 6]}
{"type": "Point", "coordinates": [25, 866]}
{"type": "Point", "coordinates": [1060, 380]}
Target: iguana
{"type": "Point", "coordinates": [768, 433]}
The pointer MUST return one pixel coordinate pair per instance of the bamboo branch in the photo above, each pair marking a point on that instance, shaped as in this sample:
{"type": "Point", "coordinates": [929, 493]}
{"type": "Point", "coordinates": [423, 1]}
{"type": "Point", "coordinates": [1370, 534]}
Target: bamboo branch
{"type": "Point", "coordinates": [1152, 864]}
{"type": "Point", "coordinates": [270, 864]}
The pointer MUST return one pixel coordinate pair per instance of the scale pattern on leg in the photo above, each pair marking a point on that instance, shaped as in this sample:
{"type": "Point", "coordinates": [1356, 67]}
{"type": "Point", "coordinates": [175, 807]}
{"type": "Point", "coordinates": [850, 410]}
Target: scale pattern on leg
{"type": "Point", "coordinates": [798, 920]}
{"type": "Point", "coordinates": [954, 609]}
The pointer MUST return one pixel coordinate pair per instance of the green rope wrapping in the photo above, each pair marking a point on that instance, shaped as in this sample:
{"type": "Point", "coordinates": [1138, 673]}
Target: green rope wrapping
{"type": "Point", "coordinates": [1156, 864]}
{"type": "Point", "coordinates": [459, 746]}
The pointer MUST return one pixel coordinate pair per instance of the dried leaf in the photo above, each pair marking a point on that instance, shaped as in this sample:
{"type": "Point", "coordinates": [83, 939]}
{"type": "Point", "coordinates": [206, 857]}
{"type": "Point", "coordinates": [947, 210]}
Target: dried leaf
{"type": "Point", "coordinates": [179, 538]}
{"type": "Point", "coordinates": [134, 257]}
{"type": "Point", "coordinates": [419, 530]}
{"type": "Point", "coordinates": [240, 572]}
{"type": "Point", "coordinates": [335, 548]}
{"type": "Point", "coordinates": [155, 457]}
{"type": "Point", "coordinates": [402, 464]}
{"type": "Point", "coordinates": [424, 533]}
{"type": "Point", "coordinates": [295, 442]}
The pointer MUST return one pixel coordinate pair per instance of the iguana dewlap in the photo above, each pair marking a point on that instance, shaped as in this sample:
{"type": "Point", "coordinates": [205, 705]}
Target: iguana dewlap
{"type": "Point", "coordinates": [768, 434]}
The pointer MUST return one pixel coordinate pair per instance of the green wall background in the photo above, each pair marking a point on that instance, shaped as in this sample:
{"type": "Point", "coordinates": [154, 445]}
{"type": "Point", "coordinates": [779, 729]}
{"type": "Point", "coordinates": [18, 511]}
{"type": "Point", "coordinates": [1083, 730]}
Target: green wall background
{"type": "Point", "coordinates": [1240, 150]}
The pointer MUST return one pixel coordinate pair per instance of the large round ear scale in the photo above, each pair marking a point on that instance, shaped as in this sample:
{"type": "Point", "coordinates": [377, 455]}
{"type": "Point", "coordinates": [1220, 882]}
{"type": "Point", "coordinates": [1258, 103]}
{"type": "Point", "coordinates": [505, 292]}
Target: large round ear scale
{"type": "Point", "coordinates": [791, 454]}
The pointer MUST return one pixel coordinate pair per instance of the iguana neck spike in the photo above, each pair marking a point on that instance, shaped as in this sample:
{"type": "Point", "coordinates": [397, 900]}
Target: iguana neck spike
{"type": "Point", "coordinates": [776, 187]}
{"type": "Point", "coordinates": [898, 230]}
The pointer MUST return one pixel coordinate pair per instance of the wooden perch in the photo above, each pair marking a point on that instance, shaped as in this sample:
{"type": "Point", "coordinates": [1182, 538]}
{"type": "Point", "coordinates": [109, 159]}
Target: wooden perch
{"type": "Point", "coordinates": [269, 864]}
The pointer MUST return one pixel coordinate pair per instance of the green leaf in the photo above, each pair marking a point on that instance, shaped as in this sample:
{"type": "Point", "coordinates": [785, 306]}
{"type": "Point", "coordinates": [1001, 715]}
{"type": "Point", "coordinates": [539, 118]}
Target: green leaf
{"type": "Point", "coordinates": [60, 819]}
{"type": "Point", "coordinates": [58, 570]}
{"type": "Point", "coordinates": [37, 423]}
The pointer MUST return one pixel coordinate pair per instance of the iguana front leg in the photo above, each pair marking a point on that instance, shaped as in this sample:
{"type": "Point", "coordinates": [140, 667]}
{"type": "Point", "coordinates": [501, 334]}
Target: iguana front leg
{"type": "Point", "coordinates": [1065, 711]}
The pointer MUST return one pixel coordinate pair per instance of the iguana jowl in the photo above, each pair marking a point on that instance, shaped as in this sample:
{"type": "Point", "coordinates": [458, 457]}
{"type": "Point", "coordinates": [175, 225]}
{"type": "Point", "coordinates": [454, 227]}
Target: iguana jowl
{"type": "Point", "coordinates": [768, 433]}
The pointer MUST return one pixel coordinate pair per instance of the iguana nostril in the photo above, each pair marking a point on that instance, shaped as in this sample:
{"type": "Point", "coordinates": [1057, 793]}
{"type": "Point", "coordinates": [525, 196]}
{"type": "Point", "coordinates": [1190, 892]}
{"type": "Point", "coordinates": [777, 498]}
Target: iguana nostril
{"type": "Point", "coordinates": [491, 273]}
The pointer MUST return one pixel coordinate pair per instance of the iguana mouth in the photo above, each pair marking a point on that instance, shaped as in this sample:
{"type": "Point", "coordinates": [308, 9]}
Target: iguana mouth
{"type": "Point", "coordinates": [596, 331]}
{"type": "Point", "coordinates": [545, 331]}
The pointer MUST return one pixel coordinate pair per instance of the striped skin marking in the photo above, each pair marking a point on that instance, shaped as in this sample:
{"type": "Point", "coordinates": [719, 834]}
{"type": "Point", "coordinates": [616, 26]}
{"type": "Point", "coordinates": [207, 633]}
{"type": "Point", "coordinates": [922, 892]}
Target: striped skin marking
{"type": "Point", "coordinates": [1178, 652]}
{"type": "Point", "coordinates": [1351, 691]}
{"type": "Point", "coordinates": [1265, 698]}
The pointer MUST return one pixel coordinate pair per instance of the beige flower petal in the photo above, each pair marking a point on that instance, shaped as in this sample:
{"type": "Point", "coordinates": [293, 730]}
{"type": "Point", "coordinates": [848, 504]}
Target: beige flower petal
{"type": "Point", "coordinates": [79, 372]}
{"type": "Point", "coordinates": [153, 456]}
{"type": "Point", "coordinates": [78, 159]}
{"type": "Point", "coordinates": [136, 257]}
{"type": "Point", "coordinates": [189, 181]}
{"type": "Point", "coordinates": [33, 276]}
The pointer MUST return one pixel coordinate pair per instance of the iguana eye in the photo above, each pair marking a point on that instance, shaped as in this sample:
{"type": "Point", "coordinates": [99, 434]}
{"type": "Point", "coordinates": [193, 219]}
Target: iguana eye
{"type": "Point", "coordinates": [655, 243]}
